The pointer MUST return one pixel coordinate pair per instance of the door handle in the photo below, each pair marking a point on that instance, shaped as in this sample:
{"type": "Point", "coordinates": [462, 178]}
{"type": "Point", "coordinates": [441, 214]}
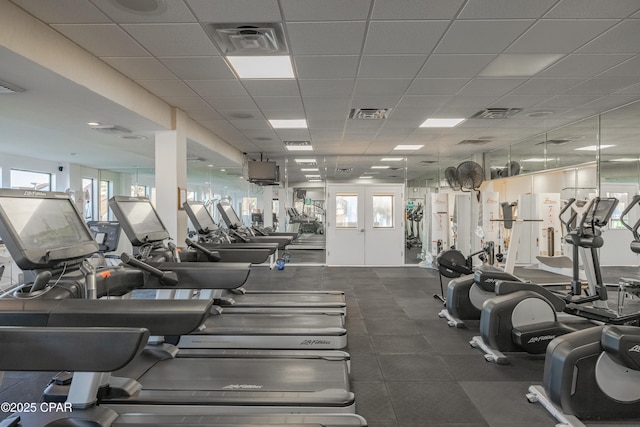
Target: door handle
{"type": "Point", "coordinates": [362, 230]}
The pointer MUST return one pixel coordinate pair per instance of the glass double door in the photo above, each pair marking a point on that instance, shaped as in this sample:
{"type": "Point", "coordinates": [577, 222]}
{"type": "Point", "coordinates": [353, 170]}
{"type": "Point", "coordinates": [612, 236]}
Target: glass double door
{"type": "Point", "coordinates": [365, 225]}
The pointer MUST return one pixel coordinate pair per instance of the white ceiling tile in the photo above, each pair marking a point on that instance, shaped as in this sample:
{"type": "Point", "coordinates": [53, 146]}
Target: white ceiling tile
{"type": "Point", "coordinates": [422, 101]}
{"type": "Point", "coordinates": [291, 114]}
{"type": "Point", "coordinates": [550, 86]}
{"type": "Point", "coordinates": [173, 11]}
{"type": "Point", "coordinates": [505, 9]}
{"type": "Point", "coordinates": [567, 101]}
{"type": "Point", "coordinates": [243, 124]}
{"type": "Point", "coordinates": [583, 65]}
{"type": "Point", "coordinates": [466, 103]}
{"type": "Point", "coordinates": [325, 10]}
{"type": "Point", "coordinates": [576, 9]}
{"type": "Point", "coordinates": [327, 87]}
{"type": "Point", "coordinates": [241, 114]}
{"type": "Point", "coordinates": [64, 11]}
{"type": "Point", "coordinates": [436, 86]}
{"type": "Point", "coordinates": [222, 88]}
{"type": "Point", "coordinates": [454, 65]}
{"type": "Point", "coordinates": [374, 87]}
{"type": "Point", "coordinates": [328, 114]}
{"type": "Point", "coordinates": [315, 104]}
{"type": "Point", "coordinates": [231, 103]}
{"type": "Point", "coordinates": [415, 9]}
{"type": "Point", "coordinates": [603, 86]}
{"type": "Point", "coordinates": [481, 36]}
{"type": "Point", "coordinates": [172, 39]}
{"type": "Point", "coordinates": [326, 67]}
{"type": "Point", "coordinates": [272, 87]}
{"type": "Point", "coordinates": [631, 90]}
{"type": "Point", "coordinates": [630, 68]}
{"type": "Point", "coordinates": [409, 116]}
{"type": "Point", "coordinates": [637, 14]}
{"type": "Point", "coordinates": [139, 68]}
{"type": "Point", "coordinates": [397, 66]}
{"type": "Point", "coordinates": [326, 37]}
{"type": "Point", "coordinates": [240, 11]}
{"type": "Point", "coordinates": [398, 37]}
{"type": "Point", "coordinates": [559, 36]}
{"type": "Point", "coordinates": [521, 101]}
{"type": "Point", "coordinates": [204, 114]}
{"type": "Point", "coordinates": [293, 135]}
{"type": "Point", "coordinates": [279, 103]}
{"type": "Point", "coordinates": [490, 87]}
{"type": "Point", "coordinates": [623, 38]}
{"type": "Point", "coordinates": [262, 135]}
{"type": "Point", "coordinates": [199, 68]}
{"type": "Point", "coordinates": [363, 127]}
{"type": "Point", "coordinates": [318, 126]}
{"type": "Point", "coordinates": [102, 39]}
{"type": "Point", "coordinates": [380, 101]}
{"type": "Point", "coordinates": [167, 87]}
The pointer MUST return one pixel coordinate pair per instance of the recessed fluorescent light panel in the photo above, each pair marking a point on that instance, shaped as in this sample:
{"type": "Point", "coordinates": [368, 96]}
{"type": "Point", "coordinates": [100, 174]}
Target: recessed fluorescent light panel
{"type": "Point", "coordinates": [593, 147]}
{"type": "Point", "coordinates": [306, 161]}
{"type": "Point", "coordinates": [289, 124]}
{"type": "Point", "coordinates": [441, 123]}
{"type": "Point", "coordinates": [315, 180]}
{"type": "Point", "coordinates": [392, 159]}
{"type": "Point", "coordinates": [299, 147]}
{"type": "Point", "coordinates": [408, 147]}
{"type": "Point", "coordinates": [380, 167]}
{"type": "Point", "coordinates": [533, 160]}
{"type": "Point", "coordinates": [262, 67]}
{"type": "Point", "coordinates": [309, 169]}
{"type": "Point", "coordinates": [312, 176]}
{"type": "Point", "coordinates": [519, 65]}
{"type": "Point", "coordinates": [624, 160]}
{"type": "Point", "coordinates": [366, 177]}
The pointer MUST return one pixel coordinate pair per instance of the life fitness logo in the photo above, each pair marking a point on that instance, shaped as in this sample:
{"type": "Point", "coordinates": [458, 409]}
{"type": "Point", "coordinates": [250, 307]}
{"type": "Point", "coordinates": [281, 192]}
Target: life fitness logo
{"type": "Point", "coordinates": [439, 201]}
{"type": "Point", "coordinates": [635, 349]}
{"type": "Point", "coordinates": [31, 193]}
{"type": "Point", "coordinates": [550, 202]}
{"type": "Point", "coordinates": [490, 200]}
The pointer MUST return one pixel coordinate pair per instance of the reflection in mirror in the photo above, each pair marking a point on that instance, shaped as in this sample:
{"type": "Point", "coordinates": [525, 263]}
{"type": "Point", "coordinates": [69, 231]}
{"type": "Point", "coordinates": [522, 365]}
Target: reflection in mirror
{"type": "Point", "coordinates": [572, 145]}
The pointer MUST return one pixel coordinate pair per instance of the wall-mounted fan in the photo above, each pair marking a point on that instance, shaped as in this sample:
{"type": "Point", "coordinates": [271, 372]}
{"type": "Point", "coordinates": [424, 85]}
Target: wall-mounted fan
{"type": "Point", "coordinates": [470, 176]}
{"type": "Point", "coordinates": [451, 175]}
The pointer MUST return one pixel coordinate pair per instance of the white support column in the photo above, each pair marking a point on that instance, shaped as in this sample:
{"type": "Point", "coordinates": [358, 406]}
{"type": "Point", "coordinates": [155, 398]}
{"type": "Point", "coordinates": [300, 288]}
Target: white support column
{"type": "Point", "coordinates": [171, 176]}
{"type": "Point", "coordinates": [267, 203]}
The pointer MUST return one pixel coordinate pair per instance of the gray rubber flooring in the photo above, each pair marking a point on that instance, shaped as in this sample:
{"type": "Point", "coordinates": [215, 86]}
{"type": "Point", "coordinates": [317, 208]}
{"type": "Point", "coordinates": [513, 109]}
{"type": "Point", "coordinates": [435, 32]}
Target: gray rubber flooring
{"type": "Point", "coordinates": [409, 368]}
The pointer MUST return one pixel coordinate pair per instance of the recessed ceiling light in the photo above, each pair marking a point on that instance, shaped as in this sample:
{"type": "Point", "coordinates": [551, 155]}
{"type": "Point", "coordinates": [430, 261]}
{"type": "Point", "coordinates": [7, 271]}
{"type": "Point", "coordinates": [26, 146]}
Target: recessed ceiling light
{"type": "Point", "coordinates": [312, 176]}
{"type": "Point", "coordinates": [93, 123]}
{"type": "Point", "coordinates": [210, 166]}
{"type": "Point", "coordinates": [519, 65]}
{"type": "Point", "coordinates": [408, 147]}
{"type": "Point", "coordinates": [135, 137]}
{"type": "Point", "coordinates": [315, 180]}
{"type": "Point", "coordinates": [223, 170]}
{"type": "Point", "coordinates": [380, 167]}
{"type": "Point", "coordinates": [366, 177]}
{"type": "Point", "coordinates": [299, 147]}
{"type": "Point", "coordinates": [262, 67]}
{"type": "Point", "coordinates": [441, 123]}
{"type": "Point", "coordinates": [309, 169]}
{"type": "Point", "coordinates": [624, 159]}
{"type": "Point", "coordinates": [534, 159]}
{"type": "Point", "coordinates": [305, 160]}
{"type": "Point", "coordinates": [593, 147]}
{"type": "Point", "coordinates": [392, 159]}
{"type": "Point", "coordinates": [289, 124]}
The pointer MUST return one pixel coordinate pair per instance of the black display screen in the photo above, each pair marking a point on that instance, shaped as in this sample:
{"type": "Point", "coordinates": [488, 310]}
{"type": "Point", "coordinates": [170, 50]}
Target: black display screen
{"type": "Point", "coordinates": [202, 217]}
{"type": "Point", "coordinates": [141, 217]}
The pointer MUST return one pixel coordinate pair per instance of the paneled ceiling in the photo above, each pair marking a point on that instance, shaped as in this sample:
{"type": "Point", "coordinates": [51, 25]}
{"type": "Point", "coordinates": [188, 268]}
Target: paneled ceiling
{"type": "Point", "coordinates": [558, 61]}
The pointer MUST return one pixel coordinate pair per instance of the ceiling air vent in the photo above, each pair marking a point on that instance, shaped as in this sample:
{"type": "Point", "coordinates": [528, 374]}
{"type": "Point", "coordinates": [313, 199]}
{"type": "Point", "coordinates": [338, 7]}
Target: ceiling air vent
{"type": "Point", "coordinates": [110, 129]}
{"type": "Point", "coordinates": [369, 113]}
{"type": "Point", "coordinates": [297, 143]}
{"type": "Point", "coordinates": [307, 163]}
{"type": "Point", "coordinates": [9, 88]}
{"type": "Point", "coordinates": [343, 171]}
{"type": "Point", "coordinates": [555, 142]}
{"type": "Point", "coordinates": [428, 162]}
{"type": "Point", "coordinates": [248, 39]}
{"type": "Point", "coordinates": [496, 113]}
{"type": "Point", "coordinates": [474, 141]}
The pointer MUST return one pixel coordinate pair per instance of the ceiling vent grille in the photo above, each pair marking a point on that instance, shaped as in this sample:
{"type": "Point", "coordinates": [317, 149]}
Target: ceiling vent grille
{"type": "Point", "coordinates": [369, 113]}
{"type": "Point", "coordinates": [307, 163]}
{"type": "Point", "coordinates": [9, 88]}
{"type": "Point", "coordinates": [428, 162]}
{"type": "Point", "coordinates": [474, 141]}
{"type": "Point", "coordinates": [248, 39]}
{"type": "Point", "coordinates": [343, 171]}
{"type": "Point", "coordinates": [110, 129]}
{"type": "Point", "coordinates": [555, 142]}
{"type": "Point", "coordinates": [496, 113]}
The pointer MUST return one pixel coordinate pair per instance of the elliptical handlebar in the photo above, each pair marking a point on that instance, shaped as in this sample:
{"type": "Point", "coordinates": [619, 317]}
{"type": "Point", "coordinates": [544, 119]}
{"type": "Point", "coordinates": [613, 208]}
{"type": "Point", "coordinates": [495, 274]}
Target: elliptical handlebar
{"type": "Point", "coordinates": [634, 228]}
{"type": "Point", "coordinates": [566, 224]}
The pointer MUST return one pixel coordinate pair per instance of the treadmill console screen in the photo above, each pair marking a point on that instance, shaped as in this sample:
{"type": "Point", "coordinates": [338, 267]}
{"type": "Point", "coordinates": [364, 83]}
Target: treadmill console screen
{"type": "Point", "coordinates": [139, 219]}
{"type": "Point", "coordinates": [229, 215]}
{"type": "Point", "coordinates": [200, 217]}
{"type": "Point", "coordinates": [43, 230]}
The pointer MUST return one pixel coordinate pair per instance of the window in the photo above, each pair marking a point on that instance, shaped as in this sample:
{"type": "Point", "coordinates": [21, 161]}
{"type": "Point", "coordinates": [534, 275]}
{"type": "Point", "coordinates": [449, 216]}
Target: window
{"type": "Point", "coordinates": [383, 211]}
{"type": "Point", "coordinates": [29, 180]}
{"type": "Point", "coordinates": [87, 192]}
{"type": "Point", "coordinates": [106, 192]}
{"type": "Point", "coordinates": [623, 199]}
{"type": "Point", "coordinates": [346, 210]}
{"type": "Point", "coordinates": [139, 191]}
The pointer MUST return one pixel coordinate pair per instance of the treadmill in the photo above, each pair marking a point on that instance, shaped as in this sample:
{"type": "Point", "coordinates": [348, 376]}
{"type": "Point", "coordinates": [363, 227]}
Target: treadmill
{"type": "Point", "coordinates": [242, 298]}
{"type": "Point", "coordinates": [43, 231]}
{"type": "Point", "coordinates": [230, 218]}
{"type": "Point", "coordinates": [285, 328]}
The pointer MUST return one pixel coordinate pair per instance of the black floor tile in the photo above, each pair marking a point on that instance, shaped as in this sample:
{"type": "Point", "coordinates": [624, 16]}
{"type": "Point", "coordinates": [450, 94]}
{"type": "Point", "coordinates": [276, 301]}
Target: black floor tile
{"type": "Point", "coordinates": [373, 402]}
{"type": "Point", "coordinates": [400, 344]}
{"type": "Point", "coordinates": [358, 344]}
{"type": "Point", "coordinates": [473, 367]}
{"type": "Point", "coordinates": [413, 367]}
{"type": "Point", "coordinates": [427, 403]}
{"type": "Point", "coordinates": [364, 367]}
{"type": "Point", "coordinates": [390, 326]}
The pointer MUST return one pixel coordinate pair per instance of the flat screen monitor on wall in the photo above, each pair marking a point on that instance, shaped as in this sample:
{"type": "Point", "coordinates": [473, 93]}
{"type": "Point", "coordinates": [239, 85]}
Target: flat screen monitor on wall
{"type": "Point", "coordinates": [263, 173]}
